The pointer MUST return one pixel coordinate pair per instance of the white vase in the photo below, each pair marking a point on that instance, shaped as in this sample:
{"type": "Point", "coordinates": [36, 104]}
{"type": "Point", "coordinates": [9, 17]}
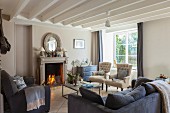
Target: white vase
{"type": "Point", "coordinates": [1, 104]}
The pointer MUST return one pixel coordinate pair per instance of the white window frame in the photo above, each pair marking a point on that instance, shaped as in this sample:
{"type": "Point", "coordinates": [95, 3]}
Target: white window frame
{"type": "Point", "coordinates": [127, 32]}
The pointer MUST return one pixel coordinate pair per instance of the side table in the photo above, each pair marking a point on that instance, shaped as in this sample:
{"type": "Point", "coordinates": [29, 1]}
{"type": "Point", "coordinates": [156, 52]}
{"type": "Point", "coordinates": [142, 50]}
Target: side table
{"type": "Point", "coordinates": [86, 71]}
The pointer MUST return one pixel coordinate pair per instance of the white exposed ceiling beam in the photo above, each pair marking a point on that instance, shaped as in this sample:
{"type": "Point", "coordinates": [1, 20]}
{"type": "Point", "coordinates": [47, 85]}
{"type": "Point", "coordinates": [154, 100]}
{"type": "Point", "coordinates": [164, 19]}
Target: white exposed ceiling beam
{"type": "Point", "coordinates": [102, 10]}
{"type": "Point", "coordinates": [140, 18]}
{"type": "Point", "coordinates": [39, 23]}
{"type": "Point", "coordinates": [41, 7]}
{"type": "Point", "coordinates": [67, 5]}
{"type": "Point", "coordinates": [114, 28]}
{"type": "Point", "coordinates": [20, 6]}
{"type": "Point", "coordinates": [131, 8]}
{"type": "Point", "coordinates": [88, 6]}
{"type": "Point", "coordinates": [145, 11]}
{"type": "Point", "coordinates": [144, 19]}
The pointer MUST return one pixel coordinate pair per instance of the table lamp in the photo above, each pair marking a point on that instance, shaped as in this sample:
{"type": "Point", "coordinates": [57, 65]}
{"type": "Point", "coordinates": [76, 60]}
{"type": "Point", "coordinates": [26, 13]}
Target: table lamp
{"type": "Point", "coordinates": [42, 51]}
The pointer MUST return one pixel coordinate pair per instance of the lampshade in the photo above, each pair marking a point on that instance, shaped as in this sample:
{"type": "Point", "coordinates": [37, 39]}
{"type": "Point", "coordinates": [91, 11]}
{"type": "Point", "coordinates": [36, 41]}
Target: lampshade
{"type": "Point", "coordinates": [41, 49]}
{"type": "Point", "coordinates": [107, 24]}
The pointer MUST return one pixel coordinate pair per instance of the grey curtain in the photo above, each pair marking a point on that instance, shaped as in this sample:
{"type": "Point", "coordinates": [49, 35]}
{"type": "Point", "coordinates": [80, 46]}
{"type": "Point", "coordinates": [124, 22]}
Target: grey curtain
{"type": "Point", "coordinates": [100, 47]}
{"type": "Point", "coordinates": [97, 47]}
{"type": "Point", "coordinates": [140, 50]}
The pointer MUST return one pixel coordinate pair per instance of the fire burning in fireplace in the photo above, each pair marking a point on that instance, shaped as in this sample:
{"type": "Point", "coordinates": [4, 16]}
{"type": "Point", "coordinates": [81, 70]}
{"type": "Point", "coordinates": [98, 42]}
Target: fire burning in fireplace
{"type": "Point", "coordinates": [51, 80]}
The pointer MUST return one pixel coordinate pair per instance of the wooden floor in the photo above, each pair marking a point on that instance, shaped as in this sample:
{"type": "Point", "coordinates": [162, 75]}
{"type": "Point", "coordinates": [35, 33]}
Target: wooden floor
{"type": "Point", "coordinates": [59, 104]}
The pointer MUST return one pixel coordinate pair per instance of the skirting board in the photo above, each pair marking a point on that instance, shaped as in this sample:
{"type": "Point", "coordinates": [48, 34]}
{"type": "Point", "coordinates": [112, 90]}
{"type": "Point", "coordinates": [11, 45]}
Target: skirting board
{"type": "Point", "coordinates": [1, 104]}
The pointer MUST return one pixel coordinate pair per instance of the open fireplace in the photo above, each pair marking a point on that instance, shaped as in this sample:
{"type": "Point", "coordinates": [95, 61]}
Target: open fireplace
{"type": "Point", "coordinates": [54, 73]}
{"type": "Point", "coordinates": [53, 70]}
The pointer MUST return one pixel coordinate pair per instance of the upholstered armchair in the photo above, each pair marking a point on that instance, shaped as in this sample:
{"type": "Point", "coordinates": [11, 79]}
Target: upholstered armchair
{"type": "Point", "coordinates": [16, 100]}
{"type": "Point", "coordinates": [122, 78]}
{"type": "Point", "coordinates": [103, 73]}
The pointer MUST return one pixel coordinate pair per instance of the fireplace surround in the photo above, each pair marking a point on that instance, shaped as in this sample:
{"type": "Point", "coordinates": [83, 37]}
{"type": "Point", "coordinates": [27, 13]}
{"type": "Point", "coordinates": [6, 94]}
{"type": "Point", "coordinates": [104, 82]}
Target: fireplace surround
{"type": "Point", "coordinates": [53, 65]}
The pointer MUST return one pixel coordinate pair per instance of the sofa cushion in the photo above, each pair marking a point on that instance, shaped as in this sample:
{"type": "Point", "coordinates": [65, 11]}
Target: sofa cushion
{"type": "Point", "coordinates": [149, 88]}
{"type": "Point", "coordinates": [90, 95]}
{"type": "Point", "coordinates": [124, 92]}
{"type": "Point", "coordinates": [141, 80]}
{"type": "Point", "coordinates": [116, 101]}
{"type": "Point", "coordinates": [121, 74]}
{"type": "Point", "coordinates": [19, 82]}
{"type": "Point", "coordinates": [137, 93]}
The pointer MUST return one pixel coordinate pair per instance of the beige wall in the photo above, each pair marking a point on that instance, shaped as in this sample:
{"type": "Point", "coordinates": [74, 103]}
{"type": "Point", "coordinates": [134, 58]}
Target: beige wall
{"type": "Point", "coordinates": [157, 48]}
{"type": "Point", "coordinates": [23, 47]}
{"type": "Point", "coordinates": [67, 35]}
{"type": "Point", "coordinates": [8, 60]}
{"type": "Point", "coordinates": [25, 41]}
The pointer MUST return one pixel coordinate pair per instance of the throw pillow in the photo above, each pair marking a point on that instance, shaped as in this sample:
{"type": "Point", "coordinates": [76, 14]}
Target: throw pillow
{"type": "Point", "coordinates": [19, 82]}
{"type": "Point", "coordinates": [121, 74]}
{"type": "Point", "coordinates": [116, 101]}
{"type": "Point", "coordinates": [100, 72]}
{"type": "Point", "coordinates": [141, 80]}
{"type": "Point", "coordinates": [90, 95]}
{"type": "Point", "coordinates": [149, 88]}
{"type": "Point", "coordinates": [137, 93]}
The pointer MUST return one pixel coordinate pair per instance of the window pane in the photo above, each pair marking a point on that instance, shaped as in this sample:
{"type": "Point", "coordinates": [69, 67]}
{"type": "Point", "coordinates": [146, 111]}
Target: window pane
{"type": "Point", "coordinates": [132, 39]}
{"type": "Point", "coordinates": [120, 49]}
{"type": "Point", "coordinates": [120, 59]}
{"type": "Point", "coordinates": [132, 59]}
{"type": "Point", "coordinates": [132, 50]}
{"type": "Point", "coordinates": [121, 39]}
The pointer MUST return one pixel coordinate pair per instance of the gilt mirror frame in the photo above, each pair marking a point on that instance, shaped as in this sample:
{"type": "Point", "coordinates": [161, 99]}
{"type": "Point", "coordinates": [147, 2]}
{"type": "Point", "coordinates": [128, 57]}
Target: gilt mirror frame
{"type": "Point", "coordinates": [46, 39]}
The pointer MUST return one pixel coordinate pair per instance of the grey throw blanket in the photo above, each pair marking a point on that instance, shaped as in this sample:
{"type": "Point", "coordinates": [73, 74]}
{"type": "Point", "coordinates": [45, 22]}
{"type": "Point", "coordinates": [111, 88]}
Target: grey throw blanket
{"type": "Point", "coordinates": [164, 89]}
{"type": "Point", "coordinates": [35, 97]}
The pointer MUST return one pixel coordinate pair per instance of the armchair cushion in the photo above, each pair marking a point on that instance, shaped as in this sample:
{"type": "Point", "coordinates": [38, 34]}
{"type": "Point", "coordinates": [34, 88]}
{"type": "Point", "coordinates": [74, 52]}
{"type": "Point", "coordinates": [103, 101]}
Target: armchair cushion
{"type": "Point", "coordinates": [100, 72]}
{"type": "Point", "coordinates": [122, 73]}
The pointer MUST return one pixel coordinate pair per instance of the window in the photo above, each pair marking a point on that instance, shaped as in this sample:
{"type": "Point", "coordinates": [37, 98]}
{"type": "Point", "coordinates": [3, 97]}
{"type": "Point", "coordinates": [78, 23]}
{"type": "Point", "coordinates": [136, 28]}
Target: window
{"type": "Point", "coordinates": [125, 47]}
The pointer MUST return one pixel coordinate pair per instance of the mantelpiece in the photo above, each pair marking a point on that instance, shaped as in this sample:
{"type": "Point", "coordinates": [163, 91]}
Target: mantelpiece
{"type": "Point", "coordinates": [43, 61]}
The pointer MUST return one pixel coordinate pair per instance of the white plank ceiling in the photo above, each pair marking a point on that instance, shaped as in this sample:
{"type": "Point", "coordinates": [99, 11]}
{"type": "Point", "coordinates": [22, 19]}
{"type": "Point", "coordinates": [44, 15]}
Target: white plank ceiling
{"type": "Point", "coordinates": [86, 14]}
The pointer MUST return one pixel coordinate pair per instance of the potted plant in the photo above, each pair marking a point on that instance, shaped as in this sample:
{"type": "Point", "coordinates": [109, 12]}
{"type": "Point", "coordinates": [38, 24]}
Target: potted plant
{"type": "Point", "coordinates": [72, 78]}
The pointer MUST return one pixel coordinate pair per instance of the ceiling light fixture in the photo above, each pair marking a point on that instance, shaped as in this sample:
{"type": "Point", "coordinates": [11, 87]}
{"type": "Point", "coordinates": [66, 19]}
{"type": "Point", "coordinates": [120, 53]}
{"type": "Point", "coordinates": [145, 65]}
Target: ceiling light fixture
{"type": "Point", "coordinates": [107, 23]}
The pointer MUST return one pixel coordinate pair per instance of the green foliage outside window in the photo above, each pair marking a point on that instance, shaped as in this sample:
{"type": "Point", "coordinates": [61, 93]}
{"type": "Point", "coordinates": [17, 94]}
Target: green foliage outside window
{"type": "Point", "coordinates": [122, 43]}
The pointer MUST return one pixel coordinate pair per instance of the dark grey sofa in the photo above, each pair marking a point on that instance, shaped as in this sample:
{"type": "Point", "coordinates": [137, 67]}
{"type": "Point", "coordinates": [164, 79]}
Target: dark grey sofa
{"type": "Point", "coordinates": [16, 100]}
{"type": "Point", "coordinates": [148, 104]}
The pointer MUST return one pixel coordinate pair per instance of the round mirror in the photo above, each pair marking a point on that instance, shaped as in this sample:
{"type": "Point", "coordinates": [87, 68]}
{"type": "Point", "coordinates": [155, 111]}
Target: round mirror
{"type": "Point", "coordinates": [51, 42]}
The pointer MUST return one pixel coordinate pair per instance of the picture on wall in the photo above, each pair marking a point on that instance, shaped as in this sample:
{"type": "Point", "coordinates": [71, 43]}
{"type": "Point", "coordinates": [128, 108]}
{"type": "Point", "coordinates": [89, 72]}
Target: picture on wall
{"type": "Point", "coordinates": [79, 43]}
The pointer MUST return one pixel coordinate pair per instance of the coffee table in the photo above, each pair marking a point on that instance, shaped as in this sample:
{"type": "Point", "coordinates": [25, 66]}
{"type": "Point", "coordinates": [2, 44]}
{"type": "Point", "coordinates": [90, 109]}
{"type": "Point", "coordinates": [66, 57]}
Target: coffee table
{"type": "Point", "coordinates": [76, 88]}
